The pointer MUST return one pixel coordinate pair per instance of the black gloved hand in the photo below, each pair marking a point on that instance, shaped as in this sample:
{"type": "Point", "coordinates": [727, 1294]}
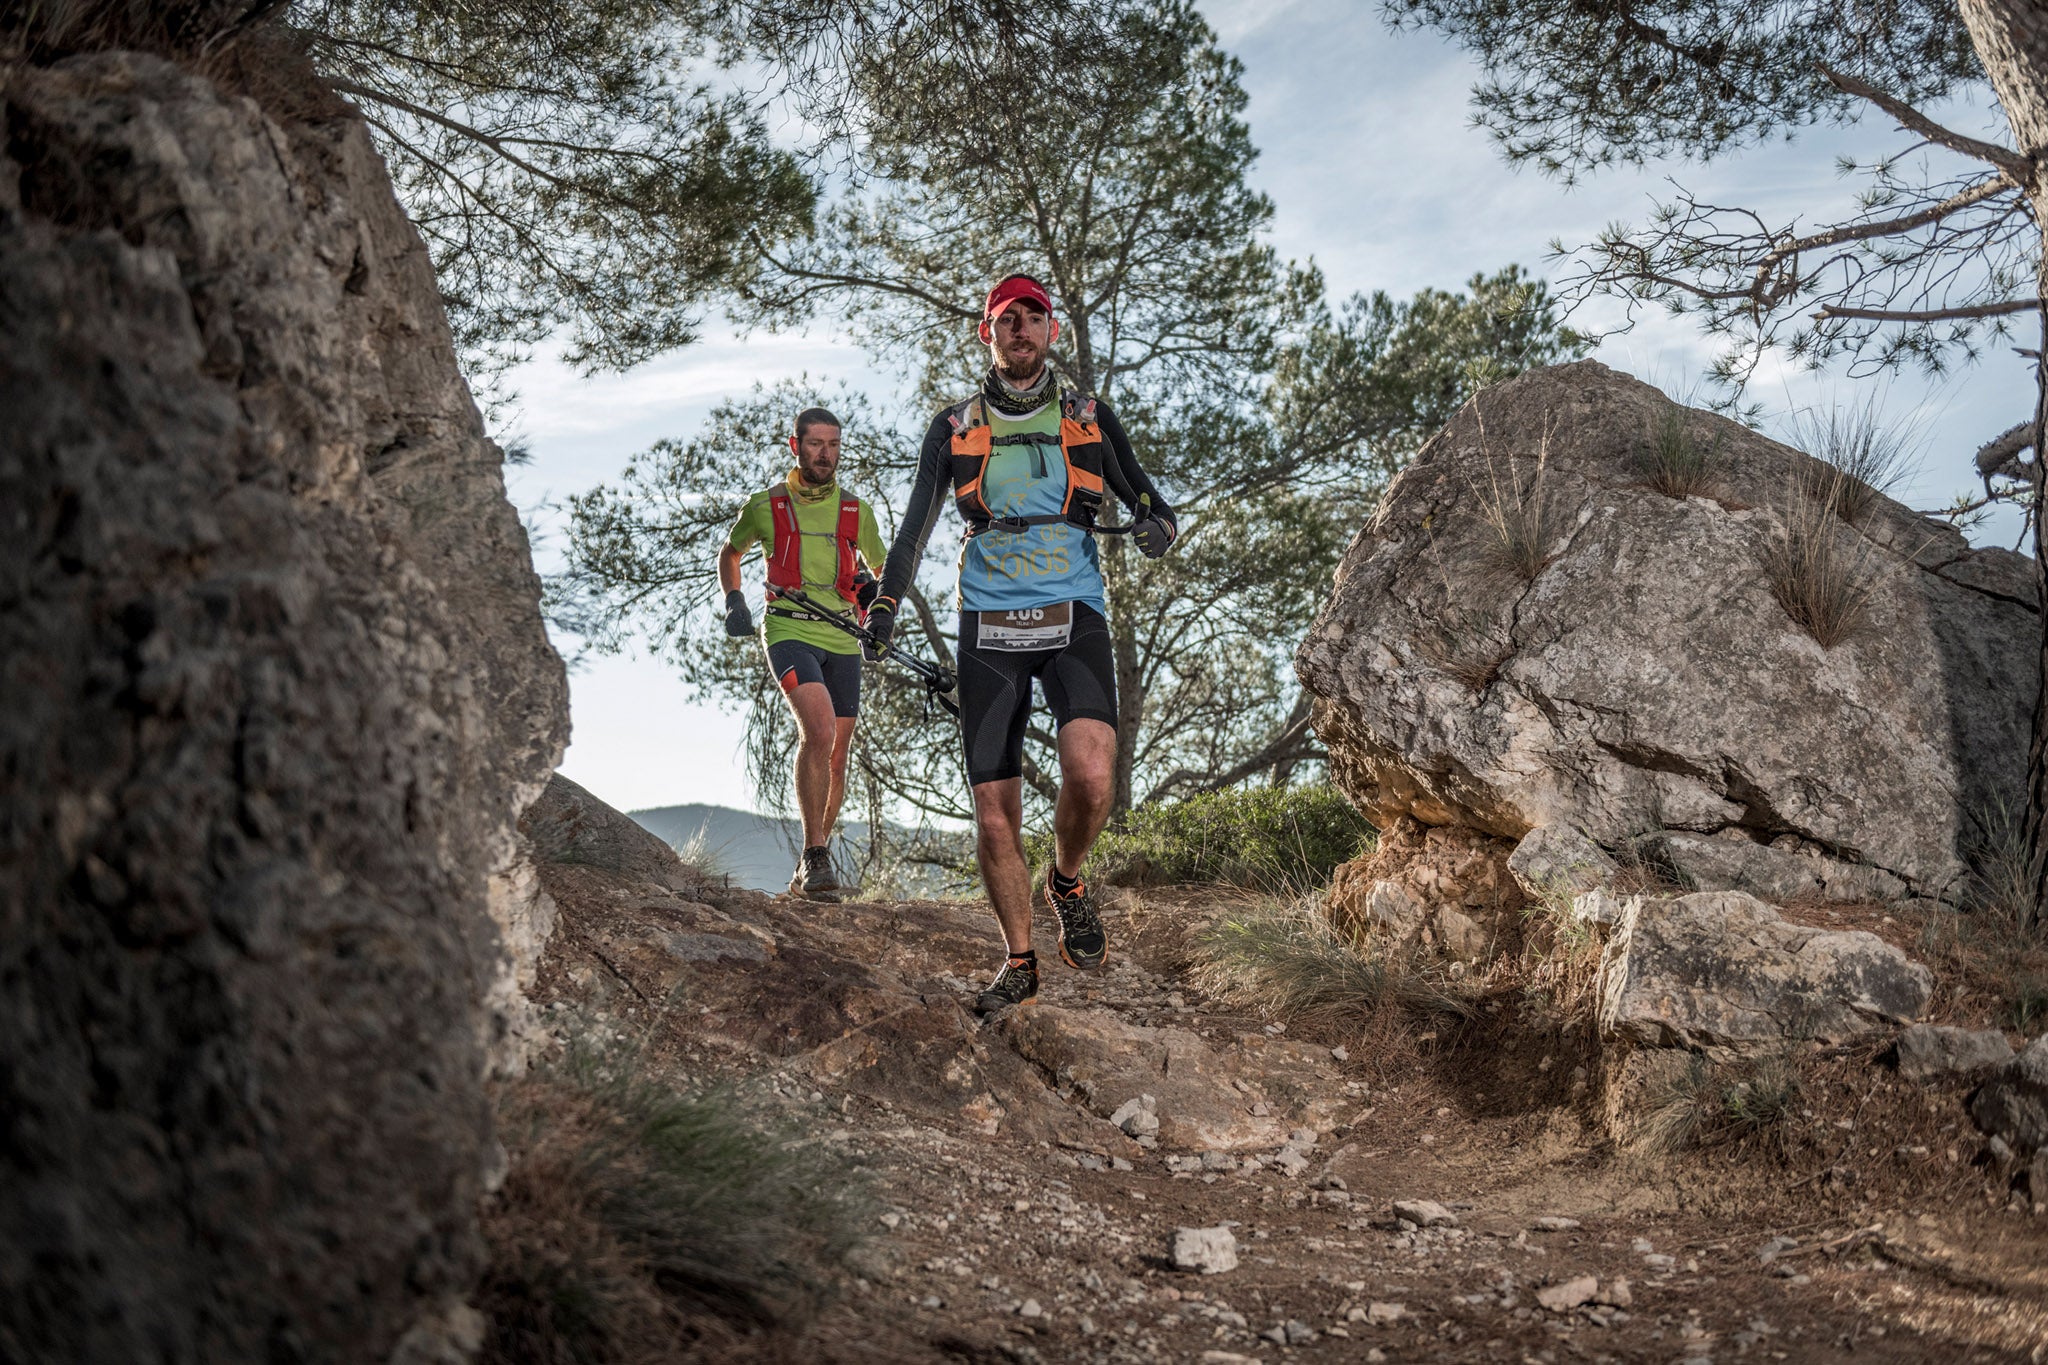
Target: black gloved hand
{"type": "Point", "coordinates": [1154, 534]}
{"type": "Point", "coordinates": [881, 625]}
{"type": "Point", "coordinates": [865, 590]}
{"type": "Point", "coordinates": [739, 622]}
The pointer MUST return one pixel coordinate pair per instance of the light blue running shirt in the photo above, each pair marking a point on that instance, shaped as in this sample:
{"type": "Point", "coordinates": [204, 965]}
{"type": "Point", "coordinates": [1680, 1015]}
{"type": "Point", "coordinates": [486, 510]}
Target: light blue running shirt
{"type": "Point", "coordinates": [1055, 562]}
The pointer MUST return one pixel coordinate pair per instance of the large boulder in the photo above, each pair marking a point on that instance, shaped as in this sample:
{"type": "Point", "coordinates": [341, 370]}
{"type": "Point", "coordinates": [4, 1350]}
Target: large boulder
{"type": "Point", "coordinates": [1723, 972]}
{"type": "Point", "coordinates": [1645, 677]}
{"type": "Point", "coordinates": [276, 686]}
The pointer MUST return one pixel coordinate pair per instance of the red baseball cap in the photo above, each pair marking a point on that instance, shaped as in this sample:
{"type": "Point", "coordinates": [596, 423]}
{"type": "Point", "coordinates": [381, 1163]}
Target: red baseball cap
{"type": "Point", "coordinates": [1012, 288]}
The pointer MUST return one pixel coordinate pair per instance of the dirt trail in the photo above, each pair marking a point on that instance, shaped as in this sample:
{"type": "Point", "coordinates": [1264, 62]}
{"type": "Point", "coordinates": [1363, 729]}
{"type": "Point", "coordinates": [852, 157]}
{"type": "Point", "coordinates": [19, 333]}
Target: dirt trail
{"type": "Point", "coordinates": [1017, 1224]}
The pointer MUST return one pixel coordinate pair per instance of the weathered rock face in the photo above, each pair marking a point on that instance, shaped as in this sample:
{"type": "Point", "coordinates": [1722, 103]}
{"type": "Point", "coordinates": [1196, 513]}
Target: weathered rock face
{"type": "Point", "coordinates": [1646, 678]}
{"type": "Point", "coordinates": [2013, 1105]}
{"type": "Point", "coordinates": [1723, 971]}
{"type": "Point", "coordinates": [1445, 889]}
{"type": "Point", "coordinates": [276, 687]}
{"type": "Point", "coordinates": [1930, 1051]}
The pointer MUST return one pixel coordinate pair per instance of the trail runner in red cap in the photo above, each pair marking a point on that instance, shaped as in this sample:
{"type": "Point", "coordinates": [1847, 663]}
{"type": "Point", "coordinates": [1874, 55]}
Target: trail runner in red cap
{"type": "Point", "coordinates": [1028, 465]}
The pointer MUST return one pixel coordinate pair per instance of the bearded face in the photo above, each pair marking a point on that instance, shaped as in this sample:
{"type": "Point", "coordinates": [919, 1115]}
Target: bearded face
{"type": "Point", "coordinates": [817, 454]}
{"type": "Point", "coordinates": [1019, 339]}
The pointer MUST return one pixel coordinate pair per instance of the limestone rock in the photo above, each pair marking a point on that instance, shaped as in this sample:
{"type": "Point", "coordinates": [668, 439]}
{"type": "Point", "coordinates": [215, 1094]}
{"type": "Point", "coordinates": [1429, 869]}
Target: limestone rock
{"type": "Point", "coordinates": [276, 687]}
{"type": "Point", "coordinates": [2013, 1105]}
{"type": "Point", "coordinates": [1927, 1051]}
{"type": "Point", "coordinates": [1568, 1294]}
{"type": "Point", "coordinates": [1646, 678]}
{"type": "Point", "coordinates": [1558, 860]}
{"type": "Point", "coordinates": [569, 825]}
{"type": "Point", "coordinates": [1731, 861]}
{"type": "Point", "coordinates": [1444, 890]}
{"type": "Point", "coordinates": [1425, 1213]}
{"type": "Point", "coordinates": [1107, 1061]}
{"type": "Point", "coordinates": [1722, 970]}
{"type": "Point", "coordinates": [1211, 1251]}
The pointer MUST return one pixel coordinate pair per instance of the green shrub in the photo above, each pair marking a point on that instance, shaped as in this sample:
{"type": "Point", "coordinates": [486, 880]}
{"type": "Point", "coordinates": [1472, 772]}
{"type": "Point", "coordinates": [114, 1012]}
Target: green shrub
{"type": "Point", "coordinates": [632, 1210]}
{"type": "Point", "coordinates": [1263, 838]}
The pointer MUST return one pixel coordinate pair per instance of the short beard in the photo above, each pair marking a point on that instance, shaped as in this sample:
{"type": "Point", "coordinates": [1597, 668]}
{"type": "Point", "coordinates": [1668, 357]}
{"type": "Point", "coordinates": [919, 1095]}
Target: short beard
{"type": "Point", "coordinates": [1019, 380]}
{"type": "Point", "coordinates": [803, 471]}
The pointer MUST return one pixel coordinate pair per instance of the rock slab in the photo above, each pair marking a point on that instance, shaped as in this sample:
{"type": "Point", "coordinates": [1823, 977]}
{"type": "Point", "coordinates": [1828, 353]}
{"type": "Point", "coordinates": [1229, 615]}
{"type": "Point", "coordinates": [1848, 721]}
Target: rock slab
{"type": "Point", "coordinates": [1722, 970]}
{"type": "Point", "coordinates": [1928, 1051]}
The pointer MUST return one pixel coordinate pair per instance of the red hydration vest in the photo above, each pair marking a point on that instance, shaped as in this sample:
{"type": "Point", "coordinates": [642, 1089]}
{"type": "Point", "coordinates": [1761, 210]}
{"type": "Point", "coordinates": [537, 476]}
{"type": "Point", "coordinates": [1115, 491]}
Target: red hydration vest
{"type": "Point", "coordinates": [785, 556]}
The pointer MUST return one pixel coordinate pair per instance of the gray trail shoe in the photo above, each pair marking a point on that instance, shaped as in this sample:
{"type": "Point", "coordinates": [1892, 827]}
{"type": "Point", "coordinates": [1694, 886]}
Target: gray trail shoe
{"type": "Point", "coordinates": [814, 879]}
{"type": "Point", "coordinates": [1016, 984]}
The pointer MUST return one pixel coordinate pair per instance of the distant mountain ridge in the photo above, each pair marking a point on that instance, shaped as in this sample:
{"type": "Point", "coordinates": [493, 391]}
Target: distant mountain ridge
{"type": "Point", "coordinates": [756, 851]}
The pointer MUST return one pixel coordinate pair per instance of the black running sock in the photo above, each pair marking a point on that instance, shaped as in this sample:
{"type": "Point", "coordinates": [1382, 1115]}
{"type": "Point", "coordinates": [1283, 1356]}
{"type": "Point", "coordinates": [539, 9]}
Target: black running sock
{"type": "Point", "coordinates": [1027, 958]}
{"type": "Point", "coordinates": [818, 849]}
{"type": "Point", "coordinates": [1062, 884]}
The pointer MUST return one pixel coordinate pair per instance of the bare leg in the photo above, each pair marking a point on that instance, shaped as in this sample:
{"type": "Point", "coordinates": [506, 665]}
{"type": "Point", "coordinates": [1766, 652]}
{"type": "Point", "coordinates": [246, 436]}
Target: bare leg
{"type": "Point", "coordinates": [842, 743]}
{"type": "Point", "coordinates": [999, 846]}
{"type": "Point", "coordinates": [1087, 767]}
{"type": "Point", "coordinates": [811, 703]}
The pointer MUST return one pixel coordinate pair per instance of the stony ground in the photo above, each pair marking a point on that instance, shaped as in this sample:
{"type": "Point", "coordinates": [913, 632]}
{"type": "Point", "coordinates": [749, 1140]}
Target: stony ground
{"type": "Point", "coordinates": [1015, 1222]}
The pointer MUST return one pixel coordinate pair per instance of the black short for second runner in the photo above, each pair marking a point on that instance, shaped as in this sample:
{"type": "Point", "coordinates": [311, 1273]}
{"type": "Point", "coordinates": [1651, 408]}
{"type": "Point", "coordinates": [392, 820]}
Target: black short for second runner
{"type": "Point", "coordinates": [995, 691]}
{"type": "Point", "coordinates": [794, 662]}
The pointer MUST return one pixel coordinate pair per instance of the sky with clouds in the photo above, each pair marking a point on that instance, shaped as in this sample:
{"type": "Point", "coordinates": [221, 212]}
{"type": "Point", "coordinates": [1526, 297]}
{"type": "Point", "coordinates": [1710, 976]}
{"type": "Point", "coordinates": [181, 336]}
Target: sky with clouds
{"type": "Point", "coordinates": [1375, 173]}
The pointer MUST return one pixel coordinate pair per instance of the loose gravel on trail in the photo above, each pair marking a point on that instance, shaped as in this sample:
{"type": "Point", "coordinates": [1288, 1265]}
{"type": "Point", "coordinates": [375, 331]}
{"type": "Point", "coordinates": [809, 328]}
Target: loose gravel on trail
{"type": "Point", "coordinates": [1360, 1201]}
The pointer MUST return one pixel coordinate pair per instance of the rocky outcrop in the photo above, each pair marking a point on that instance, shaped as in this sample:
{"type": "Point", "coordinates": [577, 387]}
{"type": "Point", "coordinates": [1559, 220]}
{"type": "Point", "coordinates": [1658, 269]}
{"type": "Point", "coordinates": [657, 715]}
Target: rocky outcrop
{"type": "Point", "coordinates": [1644, 677]}
{"type": "Point", "coordinates": [1723, 972]}
{"type": "Point", "coordinates": [276, 690]}
{"type": "Point", "coordinates": [1445, 889]}
{"type": "Point", "coordinates": [2013, 1104]}
{"type": "Point", "coordinates": [1932, 1051]}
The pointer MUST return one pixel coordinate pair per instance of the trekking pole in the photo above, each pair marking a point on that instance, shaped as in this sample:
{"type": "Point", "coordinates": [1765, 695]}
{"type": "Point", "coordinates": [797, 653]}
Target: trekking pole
{"type": "Point", "coordinates": [938, 681]}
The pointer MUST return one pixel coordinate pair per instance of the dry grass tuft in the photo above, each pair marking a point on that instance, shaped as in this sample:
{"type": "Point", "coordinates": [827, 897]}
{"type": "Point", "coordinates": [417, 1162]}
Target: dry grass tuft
{"type": "Point", "coordinates": [637, 1220]}
{"type": "Point", "coordinates": [1284, 958]}
{"type": "Point", "coordinates": [1519, 512]}
{"type": "Point", "coordinates": [1466, 650]}
{"type": "Point", "coordinates": [1871, 454]}
{"type": "Point", "coordinates": [1820, 571]}
{"type": "Point", "coordinates": [1673, 461]}
{"type": "Point", "coordinates": [1706, 1105]}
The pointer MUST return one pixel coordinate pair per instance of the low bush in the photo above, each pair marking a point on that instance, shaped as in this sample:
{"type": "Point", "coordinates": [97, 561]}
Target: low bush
{"type": "Point", "coordinates": [637, 1219]}
{"type": "Point", "coordinates": [1275, 839]}
{"type": "Point", "coordinates": [1285, 958]}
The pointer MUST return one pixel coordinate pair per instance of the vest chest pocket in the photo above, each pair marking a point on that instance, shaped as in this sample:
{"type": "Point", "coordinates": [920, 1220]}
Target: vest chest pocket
{"type": "Point", "coordinates": [1025, 629]}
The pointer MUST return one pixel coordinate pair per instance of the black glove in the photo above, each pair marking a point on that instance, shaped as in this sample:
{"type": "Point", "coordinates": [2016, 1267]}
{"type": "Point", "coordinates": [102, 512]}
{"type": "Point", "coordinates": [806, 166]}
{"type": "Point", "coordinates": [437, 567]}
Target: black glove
{"type": "Point", "coordinates": [881, 625]}
{"type": "Point", "coordinates": [1154, 534]}
{"type": "Point", "coordinates": [739, 622]}
{"type": "Point", "coordinates": [865, 590]}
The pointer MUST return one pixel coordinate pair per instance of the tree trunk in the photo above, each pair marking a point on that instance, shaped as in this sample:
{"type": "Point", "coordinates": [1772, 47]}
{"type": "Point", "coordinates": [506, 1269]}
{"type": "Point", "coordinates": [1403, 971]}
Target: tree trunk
{"type": "Point", "coordinates": [2011, 37]}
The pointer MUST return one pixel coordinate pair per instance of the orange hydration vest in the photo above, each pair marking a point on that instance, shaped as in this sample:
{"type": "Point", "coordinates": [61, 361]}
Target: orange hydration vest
{"type": "Point", "coordinates": [1081, 446]}
{"type": "Point", "coordinates": [785, 557]}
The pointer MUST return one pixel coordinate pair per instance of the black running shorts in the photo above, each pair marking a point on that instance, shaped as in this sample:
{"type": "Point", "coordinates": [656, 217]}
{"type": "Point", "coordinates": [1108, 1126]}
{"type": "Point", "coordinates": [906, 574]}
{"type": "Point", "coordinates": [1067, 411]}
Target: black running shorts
{"type": "Point", "coordinates": [794, 663]}
{"type": "Point", "coordinates": [995, 692]}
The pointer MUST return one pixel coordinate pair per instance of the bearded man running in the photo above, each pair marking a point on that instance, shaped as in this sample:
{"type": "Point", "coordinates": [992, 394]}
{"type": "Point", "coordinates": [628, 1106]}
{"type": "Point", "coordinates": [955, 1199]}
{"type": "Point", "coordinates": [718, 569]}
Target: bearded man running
{"type": "Point", "coordinates": [816, 537]}
{"type": "Point", "coordinates": [1026, 462]}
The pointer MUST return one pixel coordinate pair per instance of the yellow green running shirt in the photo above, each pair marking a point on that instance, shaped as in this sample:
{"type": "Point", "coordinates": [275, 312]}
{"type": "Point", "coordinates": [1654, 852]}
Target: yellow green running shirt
{"type": "Point", "coordinates": [819, 523]}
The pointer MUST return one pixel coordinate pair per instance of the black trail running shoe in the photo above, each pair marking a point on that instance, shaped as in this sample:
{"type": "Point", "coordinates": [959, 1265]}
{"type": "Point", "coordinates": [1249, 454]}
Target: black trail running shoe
{"type": "Point", "coordinates": [1016, 984]}
{"type": "Point", "coordinates": [1083, 942]}
{"type": "Point", "coordinates": [814, 879]}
